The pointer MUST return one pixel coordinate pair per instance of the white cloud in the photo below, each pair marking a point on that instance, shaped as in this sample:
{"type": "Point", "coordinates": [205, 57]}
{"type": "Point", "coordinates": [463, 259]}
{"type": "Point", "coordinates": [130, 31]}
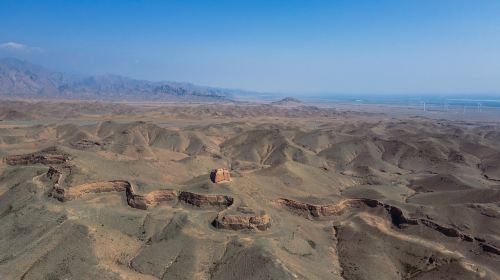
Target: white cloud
{"type": "Point", "coordinates": [18, 47]}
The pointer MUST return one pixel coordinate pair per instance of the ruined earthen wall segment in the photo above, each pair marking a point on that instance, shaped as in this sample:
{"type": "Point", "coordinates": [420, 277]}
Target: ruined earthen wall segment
{"type": "Point", "coordinates": [239, 222]}
{"type": "Point", "coordinates": [220, 175]}
{"type": "Point", "coordinates": [397, 216]}
{"type": "Point", "coordinates": [215, 200]}
{"type": "Point", "coordinates": [145, 201]}
{"type": "Point", "coordinates": [150, 199]}
{"type": "Point", "coordinates": [47, 157]}
{"type": "Point", "coordinates": [64, 194]}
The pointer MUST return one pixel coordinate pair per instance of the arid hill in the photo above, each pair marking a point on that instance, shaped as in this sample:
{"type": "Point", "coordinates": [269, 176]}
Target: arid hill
{"type": "Point", "coordinates": [288, 101]}
{"type": "Point", "coordinates": [124, 191]}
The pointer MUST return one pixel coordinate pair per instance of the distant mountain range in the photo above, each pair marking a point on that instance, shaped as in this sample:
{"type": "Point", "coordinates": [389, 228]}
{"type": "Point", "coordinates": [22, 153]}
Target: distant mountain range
{"type": "Point", "coordinates": [21, 79]}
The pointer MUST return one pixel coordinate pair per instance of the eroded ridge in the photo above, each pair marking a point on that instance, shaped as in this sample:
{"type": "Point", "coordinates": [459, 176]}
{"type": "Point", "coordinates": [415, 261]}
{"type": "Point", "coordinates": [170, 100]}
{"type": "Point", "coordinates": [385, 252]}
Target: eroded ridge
{"type": "Point", "coordinates": [239, 222]}
{"type": "Point", "coordinates": [397, 217]}
{"type": "Point", "coordinates": [49, 156]}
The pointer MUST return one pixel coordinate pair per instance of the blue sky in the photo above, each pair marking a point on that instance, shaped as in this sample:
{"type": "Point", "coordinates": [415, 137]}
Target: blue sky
{"type": "Point", "coordinates": [307, 47]}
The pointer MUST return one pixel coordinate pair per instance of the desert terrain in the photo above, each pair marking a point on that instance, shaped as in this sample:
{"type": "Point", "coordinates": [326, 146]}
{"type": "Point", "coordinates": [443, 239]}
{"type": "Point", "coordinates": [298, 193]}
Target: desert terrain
{"type": "Point", "coordinates": [96, 190]}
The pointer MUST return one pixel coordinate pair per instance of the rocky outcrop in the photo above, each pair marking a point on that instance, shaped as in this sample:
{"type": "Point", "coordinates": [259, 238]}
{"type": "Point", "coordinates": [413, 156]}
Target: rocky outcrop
{"type": "Point", "coordinates": [202, 200]}
{"type": "Point", "coordinates": [220, 175]}
{"type": "Point", "coordinates": [50, 156]}
{"type": "Point", "coordinates": [239, 222]}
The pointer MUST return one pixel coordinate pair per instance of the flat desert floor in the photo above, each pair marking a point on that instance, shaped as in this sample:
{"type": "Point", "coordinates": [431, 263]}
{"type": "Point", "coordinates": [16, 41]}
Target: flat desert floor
{"type": "Point", "coordinates": [123, 191]}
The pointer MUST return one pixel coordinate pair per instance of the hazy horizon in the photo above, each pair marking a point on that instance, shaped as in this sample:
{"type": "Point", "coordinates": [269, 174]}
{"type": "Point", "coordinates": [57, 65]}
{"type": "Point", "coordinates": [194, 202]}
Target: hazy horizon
{"type": "Point", "coordinates": [293, 47]}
